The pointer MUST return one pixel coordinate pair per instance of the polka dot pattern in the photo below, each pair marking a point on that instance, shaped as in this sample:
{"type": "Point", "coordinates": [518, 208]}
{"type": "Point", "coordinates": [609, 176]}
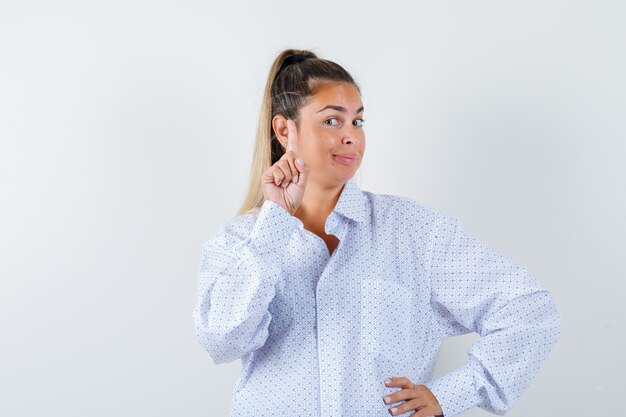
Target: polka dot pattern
{"type": "Point", "coordinates": [318, 333]}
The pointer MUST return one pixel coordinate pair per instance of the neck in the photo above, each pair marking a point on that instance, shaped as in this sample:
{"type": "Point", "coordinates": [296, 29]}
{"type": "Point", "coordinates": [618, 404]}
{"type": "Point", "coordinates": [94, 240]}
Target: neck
{"type": "Point", "coordinates": [317, 204]}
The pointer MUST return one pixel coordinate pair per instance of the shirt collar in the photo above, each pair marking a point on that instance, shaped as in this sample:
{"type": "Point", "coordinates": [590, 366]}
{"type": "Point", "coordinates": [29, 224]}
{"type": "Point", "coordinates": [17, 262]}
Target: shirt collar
{"type": "Point", "coordinates": [352, 203]}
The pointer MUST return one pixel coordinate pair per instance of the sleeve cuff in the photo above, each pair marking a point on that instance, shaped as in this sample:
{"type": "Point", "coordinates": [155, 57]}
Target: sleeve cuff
{"type": "Point", "coordinates": [273, 228]}
{"type": "Point", "coordinates": [456, 391]}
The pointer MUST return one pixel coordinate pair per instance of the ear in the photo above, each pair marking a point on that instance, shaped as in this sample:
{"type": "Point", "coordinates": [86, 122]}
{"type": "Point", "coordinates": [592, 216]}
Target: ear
{"type": "Point", "coordinates": [279, 124]}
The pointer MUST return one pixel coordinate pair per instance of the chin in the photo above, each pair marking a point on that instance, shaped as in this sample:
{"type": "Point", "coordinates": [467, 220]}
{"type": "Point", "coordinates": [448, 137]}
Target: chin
{"type": "Point", "coordinates": [332, 181]}
{"type": "Point", "coordinates": [335, 175]}
{"type": "Point", "coordinates": [345, 178]}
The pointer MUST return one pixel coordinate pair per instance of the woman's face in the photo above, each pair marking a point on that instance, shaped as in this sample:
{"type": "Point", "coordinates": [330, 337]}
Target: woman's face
{"type": "Point", "coordinates": [330, 133]}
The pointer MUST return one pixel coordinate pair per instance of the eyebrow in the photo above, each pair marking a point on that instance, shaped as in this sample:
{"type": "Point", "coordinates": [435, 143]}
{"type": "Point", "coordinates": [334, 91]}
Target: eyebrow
{"type": "Point", "coordinates": [340, 108]}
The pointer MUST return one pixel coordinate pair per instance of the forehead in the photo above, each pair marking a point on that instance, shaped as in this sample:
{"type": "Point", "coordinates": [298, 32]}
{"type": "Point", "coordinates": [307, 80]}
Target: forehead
{"type": "Point", "coordinates": [342, 94]}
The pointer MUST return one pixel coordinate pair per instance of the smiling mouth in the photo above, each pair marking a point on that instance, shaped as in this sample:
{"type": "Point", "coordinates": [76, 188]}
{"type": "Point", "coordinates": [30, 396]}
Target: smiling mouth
{"type": "Point", "coordinates": [345, 159]}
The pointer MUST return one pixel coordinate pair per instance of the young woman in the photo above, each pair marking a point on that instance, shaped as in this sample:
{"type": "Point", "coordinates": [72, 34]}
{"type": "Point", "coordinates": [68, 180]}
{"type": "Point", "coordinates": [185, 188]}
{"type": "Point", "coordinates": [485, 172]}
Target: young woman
{"type": "Point", "coordinates": [337, 299]}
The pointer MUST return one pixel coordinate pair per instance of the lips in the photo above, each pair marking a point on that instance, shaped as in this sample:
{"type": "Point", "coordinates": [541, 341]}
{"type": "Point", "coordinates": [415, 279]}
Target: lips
{"type": "Point", "coordinates": [346, 158]}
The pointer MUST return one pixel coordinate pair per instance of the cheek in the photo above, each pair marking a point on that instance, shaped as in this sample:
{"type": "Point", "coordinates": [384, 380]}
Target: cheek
{"type": "Point", "coordinates": [309, 150]}
{"type": "Point", "coordinates": [360, 142]}
{"type": "Point", "coordinates": [320, 144]}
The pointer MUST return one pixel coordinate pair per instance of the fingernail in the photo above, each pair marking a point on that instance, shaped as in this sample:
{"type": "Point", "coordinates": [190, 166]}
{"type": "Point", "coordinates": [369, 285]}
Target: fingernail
{"type": "Point", "coordinates": [387, 400]}
{"type": "Point", "coordinates": [295, 179]}
{"type": "Point", "coordinates": [387, 381]}
{"type": "Point", "coordinates": [393, 410]}
{"type": "Point", "coordinates": [285, 184]}
{"type": "Point", "coordinates": [299, 162]}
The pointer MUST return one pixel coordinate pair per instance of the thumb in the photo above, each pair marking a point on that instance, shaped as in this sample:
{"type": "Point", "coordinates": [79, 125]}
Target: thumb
{"type": "Point", "coordinates": [305, 170]}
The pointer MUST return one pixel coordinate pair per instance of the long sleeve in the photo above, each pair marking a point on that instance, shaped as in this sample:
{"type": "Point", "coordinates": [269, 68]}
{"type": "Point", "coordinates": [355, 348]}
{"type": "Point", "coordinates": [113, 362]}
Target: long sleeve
{"type": "Point", "coordinates": [237, 280]}
{"type": "Point", "coordinates": [477, 289]}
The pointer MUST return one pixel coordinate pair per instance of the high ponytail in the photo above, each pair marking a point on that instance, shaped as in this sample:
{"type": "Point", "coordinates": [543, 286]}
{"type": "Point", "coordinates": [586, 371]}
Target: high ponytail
{"type": "Point", "coordinates": [290, 82]}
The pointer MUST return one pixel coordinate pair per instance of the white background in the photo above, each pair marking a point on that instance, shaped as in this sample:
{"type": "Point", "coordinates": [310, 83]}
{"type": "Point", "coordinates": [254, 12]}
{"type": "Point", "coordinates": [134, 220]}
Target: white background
{"type": "Point", "coordinates": [126, 134]}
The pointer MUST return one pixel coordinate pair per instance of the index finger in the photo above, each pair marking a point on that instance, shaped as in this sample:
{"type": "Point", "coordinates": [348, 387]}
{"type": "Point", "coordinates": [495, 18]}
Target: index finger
{"type": "Point", "coordinates": [292, 136]}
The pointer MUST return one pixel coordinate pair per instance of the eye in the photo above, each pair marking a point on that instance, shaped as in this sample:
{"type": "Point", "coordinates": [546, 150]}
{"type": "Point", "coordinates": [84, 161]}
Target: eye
{"type": "Point", "coordinates": [358, 122]}
{"type": "Point", "coordinates": [332, 119]}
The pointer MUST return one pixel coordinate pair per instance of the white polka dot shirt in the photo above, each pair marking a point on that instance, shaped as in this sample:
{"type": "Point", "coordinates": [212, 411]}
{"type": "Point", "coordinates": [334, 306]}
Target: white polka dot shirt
{"type": "Point", "coordinates": [317, 334]}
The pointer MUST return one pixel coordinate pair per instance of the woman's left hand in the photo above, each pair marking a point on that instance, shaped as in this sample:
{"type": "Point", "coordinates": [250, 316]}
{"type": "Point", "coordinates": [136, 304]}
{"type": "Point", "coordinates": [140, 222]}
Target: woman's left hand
{"type": "Point", "coordinates": [417, 397]}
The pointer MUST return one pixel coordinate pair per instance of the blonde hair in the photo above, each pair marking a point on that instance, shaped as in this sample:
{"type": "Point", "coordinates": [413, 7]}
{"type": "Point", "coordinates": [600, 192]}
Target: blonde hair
{"type": "Point", "coordinates": [294, 77]}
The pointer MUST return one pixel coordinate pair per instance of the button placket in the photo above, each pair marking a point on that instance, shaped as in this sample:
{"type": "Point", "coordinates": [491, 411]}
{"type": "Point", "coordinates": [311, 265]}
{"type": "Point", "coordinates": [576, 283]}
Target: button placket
{"type": "Point", "coordinates": [327, 310]}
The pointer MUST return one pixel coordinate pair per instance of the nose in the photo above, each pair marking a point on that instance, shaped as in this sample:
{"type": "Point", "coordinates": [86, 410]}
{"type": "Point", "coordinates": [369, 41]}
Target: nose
{"type": "Point", "coordinates": [349, 135]}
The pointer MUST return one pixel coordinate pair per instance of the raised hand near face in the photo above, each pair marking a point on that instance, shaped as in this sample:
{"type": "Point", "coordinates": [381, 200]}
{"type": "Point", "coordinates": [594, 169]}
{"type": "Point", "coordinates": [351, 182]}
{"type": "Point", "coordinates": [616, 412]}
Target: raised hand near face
{"type": "Point", "coordinates": [285, 181]}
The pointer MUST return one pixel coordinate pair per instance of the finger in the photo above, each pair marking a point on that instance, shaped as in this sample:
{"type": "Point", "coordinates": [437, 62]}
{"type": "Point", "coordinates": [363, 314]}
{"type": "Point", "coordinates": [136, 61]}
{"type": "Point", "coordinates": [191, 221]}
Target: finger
{"type": "Point", "coordinates": [403, 394]}
{"type": "Point", "coordinates": [283, 165]}
{"type": "Point", "coordinates": [429, 405]}
{"type": "Point", "coordinates": [278, 174]}
{"type": "Point", "coordinates": [292, 137]}
{"type": "Point", "coordinates": [399, 381]}
{"type": "Point", "coordinates": [426, 412]}
{"type": "Point", "coordinates": [290, 157]}
{"type": "Point", "coordinates": [406, 407]}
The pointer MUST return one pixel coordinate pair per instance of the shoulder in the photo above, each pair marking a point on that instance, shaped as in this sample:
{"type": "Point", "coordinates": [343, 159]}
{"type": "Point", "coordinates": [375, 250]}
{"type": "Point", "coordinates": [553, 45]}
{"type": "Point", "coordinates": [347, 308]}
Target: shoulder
{"type": "Point", "coordinates": [407, 211]}
{"type": "Point", "coordinates": [233, 231]}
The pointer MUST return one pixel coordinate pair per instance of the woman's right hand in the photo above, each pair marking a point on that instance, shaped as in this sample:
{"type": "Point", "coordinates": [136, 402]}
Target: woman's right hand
{"type": "Point", "coordinates": [277, 180]}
